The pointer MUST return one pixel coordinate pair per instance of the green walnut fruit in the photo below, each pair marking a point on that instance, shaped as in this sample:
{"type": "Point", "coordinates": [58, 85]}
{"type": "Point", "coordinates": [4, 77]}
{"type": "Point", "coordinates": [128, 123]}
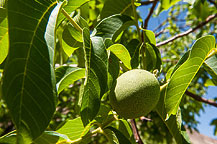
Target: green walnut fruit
{"type": "Point", "coordinates": [136, 94]}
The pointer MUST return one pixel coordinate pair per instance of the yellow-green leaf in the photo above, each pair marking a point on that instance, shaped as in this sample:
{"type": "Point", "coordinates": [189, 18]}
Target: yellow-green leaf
{"type": "Point", "coordinates": [183, 76]}
{"type": "Point", "coordinates": [122, 53]}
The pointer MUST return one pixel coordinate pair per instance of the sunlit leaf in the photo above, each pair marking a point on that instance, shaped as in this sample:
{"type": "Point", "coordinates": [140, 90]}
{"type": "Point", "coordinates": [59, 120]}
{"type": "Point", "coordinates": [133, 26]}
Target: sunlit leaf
{"type": "Point", "coordinates": [72, 128]}
{"type": "Point", "coordinates": [182, 77]}
{"type": "Point", "coordinates": [122, 53]}
{"type": "Point", "coordinates": [112, 7]}
{"type": "Point", "coordinates": [71, 6]}
{"type": "Point", "coordinates": [181, 61]}
{"type": "Point", "coordinates": [211, 68]}
{"type": "Point", "coordinates": [50, 137]}
{"type": "Point", "coordinates": [3, 33]}
{"type": "Point", "coordinates": [67, 75]}
{"type": "Point", "coordinates": [29, 88]}
{"type": "Point", "coordinates": [166, 4]}
{"type": "Point", "coordinates": [9, 138]}
{"type": "Point", "coordinates": [149, 37]}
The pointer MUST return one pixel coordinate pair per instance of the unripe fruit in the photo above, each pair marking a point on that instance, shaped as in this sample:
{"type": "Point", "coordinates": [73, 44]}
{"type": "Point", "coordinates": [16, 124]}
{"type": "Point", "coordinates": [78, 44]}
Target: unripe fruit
{"type": "Point", "coordinates": [136, 94]}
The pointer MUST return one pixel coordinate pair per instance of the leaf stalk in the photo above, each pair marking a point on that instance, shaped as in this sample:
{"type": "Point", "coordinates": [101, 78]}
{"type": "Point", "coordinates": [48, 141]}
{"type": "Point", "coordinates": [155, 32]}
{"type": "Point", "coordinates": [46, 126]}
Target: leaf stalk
{"type": "Point", "coordinates": [72, 21]}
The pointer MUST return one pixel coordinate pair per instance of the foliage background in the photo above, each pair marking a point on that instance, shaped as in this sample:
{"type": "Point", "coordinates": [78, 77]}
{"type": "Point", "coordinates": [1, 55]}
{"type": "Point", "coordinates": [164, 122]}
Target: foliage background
{"type": "Point", "coordinates": [179, 18]}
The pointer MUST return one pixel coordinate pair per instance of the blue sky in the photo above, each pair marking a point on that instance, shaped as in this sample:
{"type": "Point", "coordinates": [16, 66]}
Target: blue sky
{"type": "Point", "coordinates": [210, 112]}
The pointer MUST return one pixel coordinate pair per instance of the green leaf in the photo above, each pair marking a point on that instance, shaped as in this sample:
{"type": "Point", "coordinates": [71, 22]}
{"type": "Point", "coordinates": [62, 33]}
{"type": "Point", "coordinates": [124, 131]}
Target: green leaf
{"type": "Point", "coordinates": [211, 67]}
{"type": "Point", "coordinates": [3, 33]}
{"type": "Point", "coordinates": [71, 6]}
{"type": "Point", "coordinates": [113, 65]}
{"type": "Point", "coordinates": [166, 4]}
{"type": "Point", "coordinates": [99, 62]}
{"type": "Point", "coordinates": [112, 7]}
{"type": "Point", "coordinates": [121, 138]}
{"type": "Point", "coordinates": [122, 53]}
{"type": "Point", "coordinates": [149, 37]}
{"type": "Point", "coordinates": [50, 137]}
{"type": "Point", "coordinates": [134, 49]}
{"type": "Point", "coordinates": [182, 77]}
{"type": "Point", "coordinates": [29, 87]}
{"type": "Point", "coordinates": [181, 61]}
{"type": "Point", "coordinates": [201, 9]}
{"type": "Point", "coordinates": [214, 123]}
{"type": "Point", "coordinates": [9, 138]}
{"type": "Point", "coordinates": [96, 76]}
{"type": "Point", "coordinates": [153, 57]}
{"type": "Point", "coordinates": [112, 26]}
{"type": "Point", "coordinates": [73, 31]}
{"type": "Point", "coordinates": [173, 123]}
{"type": "Point", "coordinates": [69, 40]}
{"type": "Point", "coordinates": [110, 135]}
{"type": "Point", "coordinates": [72, 128]}
{"type": "Point", "coordinates": [66, 75]}
{"type": "Point", "coordinates": [126, 129]}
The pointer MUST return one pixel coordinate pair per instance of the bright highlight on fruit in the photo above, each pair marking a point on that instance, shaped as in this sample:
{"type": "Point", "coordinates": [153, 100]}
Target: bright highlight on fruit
{"type": "Point", "coordinates": [136, 94]}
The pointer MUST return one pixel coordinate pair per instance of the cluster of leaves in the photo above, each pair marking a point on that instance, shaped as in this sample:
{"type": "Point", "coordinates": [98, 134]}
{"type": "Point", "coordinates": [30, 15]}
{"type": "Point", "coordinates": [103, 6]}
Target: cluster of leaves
{"type": "Point", "coordinates": [64, 58]}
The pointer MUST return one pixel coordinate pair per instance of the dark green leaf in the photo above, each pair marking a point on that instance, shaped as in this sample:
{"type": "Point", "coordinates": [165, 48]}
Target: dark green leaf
{"type": "Point", "coordinates": [70, 40]}
{"type": "Point", "coordinates": [153, 57]}
{"type": "Point", "coordinates": [112, 26]}
{"type": "Point", "coordinates": [134, 48]}
{"type": "Point", "coordinates": [103, 113]}
{"type": "Point", "coordinates": [126, 129]}
{"type": "Point", "coordinates": [110, 135]}
{"type": "Point", "coordinates": [112, 7]}
{"type": "Point", "coordinates": [121, 138]}
{"type": "Point", "coordinates": [214, 123]}
{"type": "Point", "coordinates": [96, 76]}
{"type": "Point", "coordinates": [99, 62]}
{"type": "Point", "coordinates": [113, 65]}
{"type": "Point", "coordinates": [29, 87]}
{"type": "Point", "coordinates": [67, 75]}
{"type": "Point", "coordinates": [182, 77]}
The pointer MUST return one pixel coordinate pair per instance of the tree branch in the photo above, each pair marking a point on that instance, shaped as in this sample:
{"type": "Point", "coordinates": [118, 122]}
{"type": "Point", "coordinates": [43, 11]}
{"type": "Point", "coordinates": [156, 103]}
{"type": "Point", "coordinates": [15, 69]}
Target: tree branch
{"type": "Point", "coordinates": [213, 2]}
{"type": "Point", "coordinates": [198, 98]}
{"type": "Point", "coordinates": [150, 13]}
{"type": "Point", "coordinates": [136, 132]}
{"type": "Point", "coordinates": [147, 2]}
{"type": "Point", "coordinates": [208, 19]}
